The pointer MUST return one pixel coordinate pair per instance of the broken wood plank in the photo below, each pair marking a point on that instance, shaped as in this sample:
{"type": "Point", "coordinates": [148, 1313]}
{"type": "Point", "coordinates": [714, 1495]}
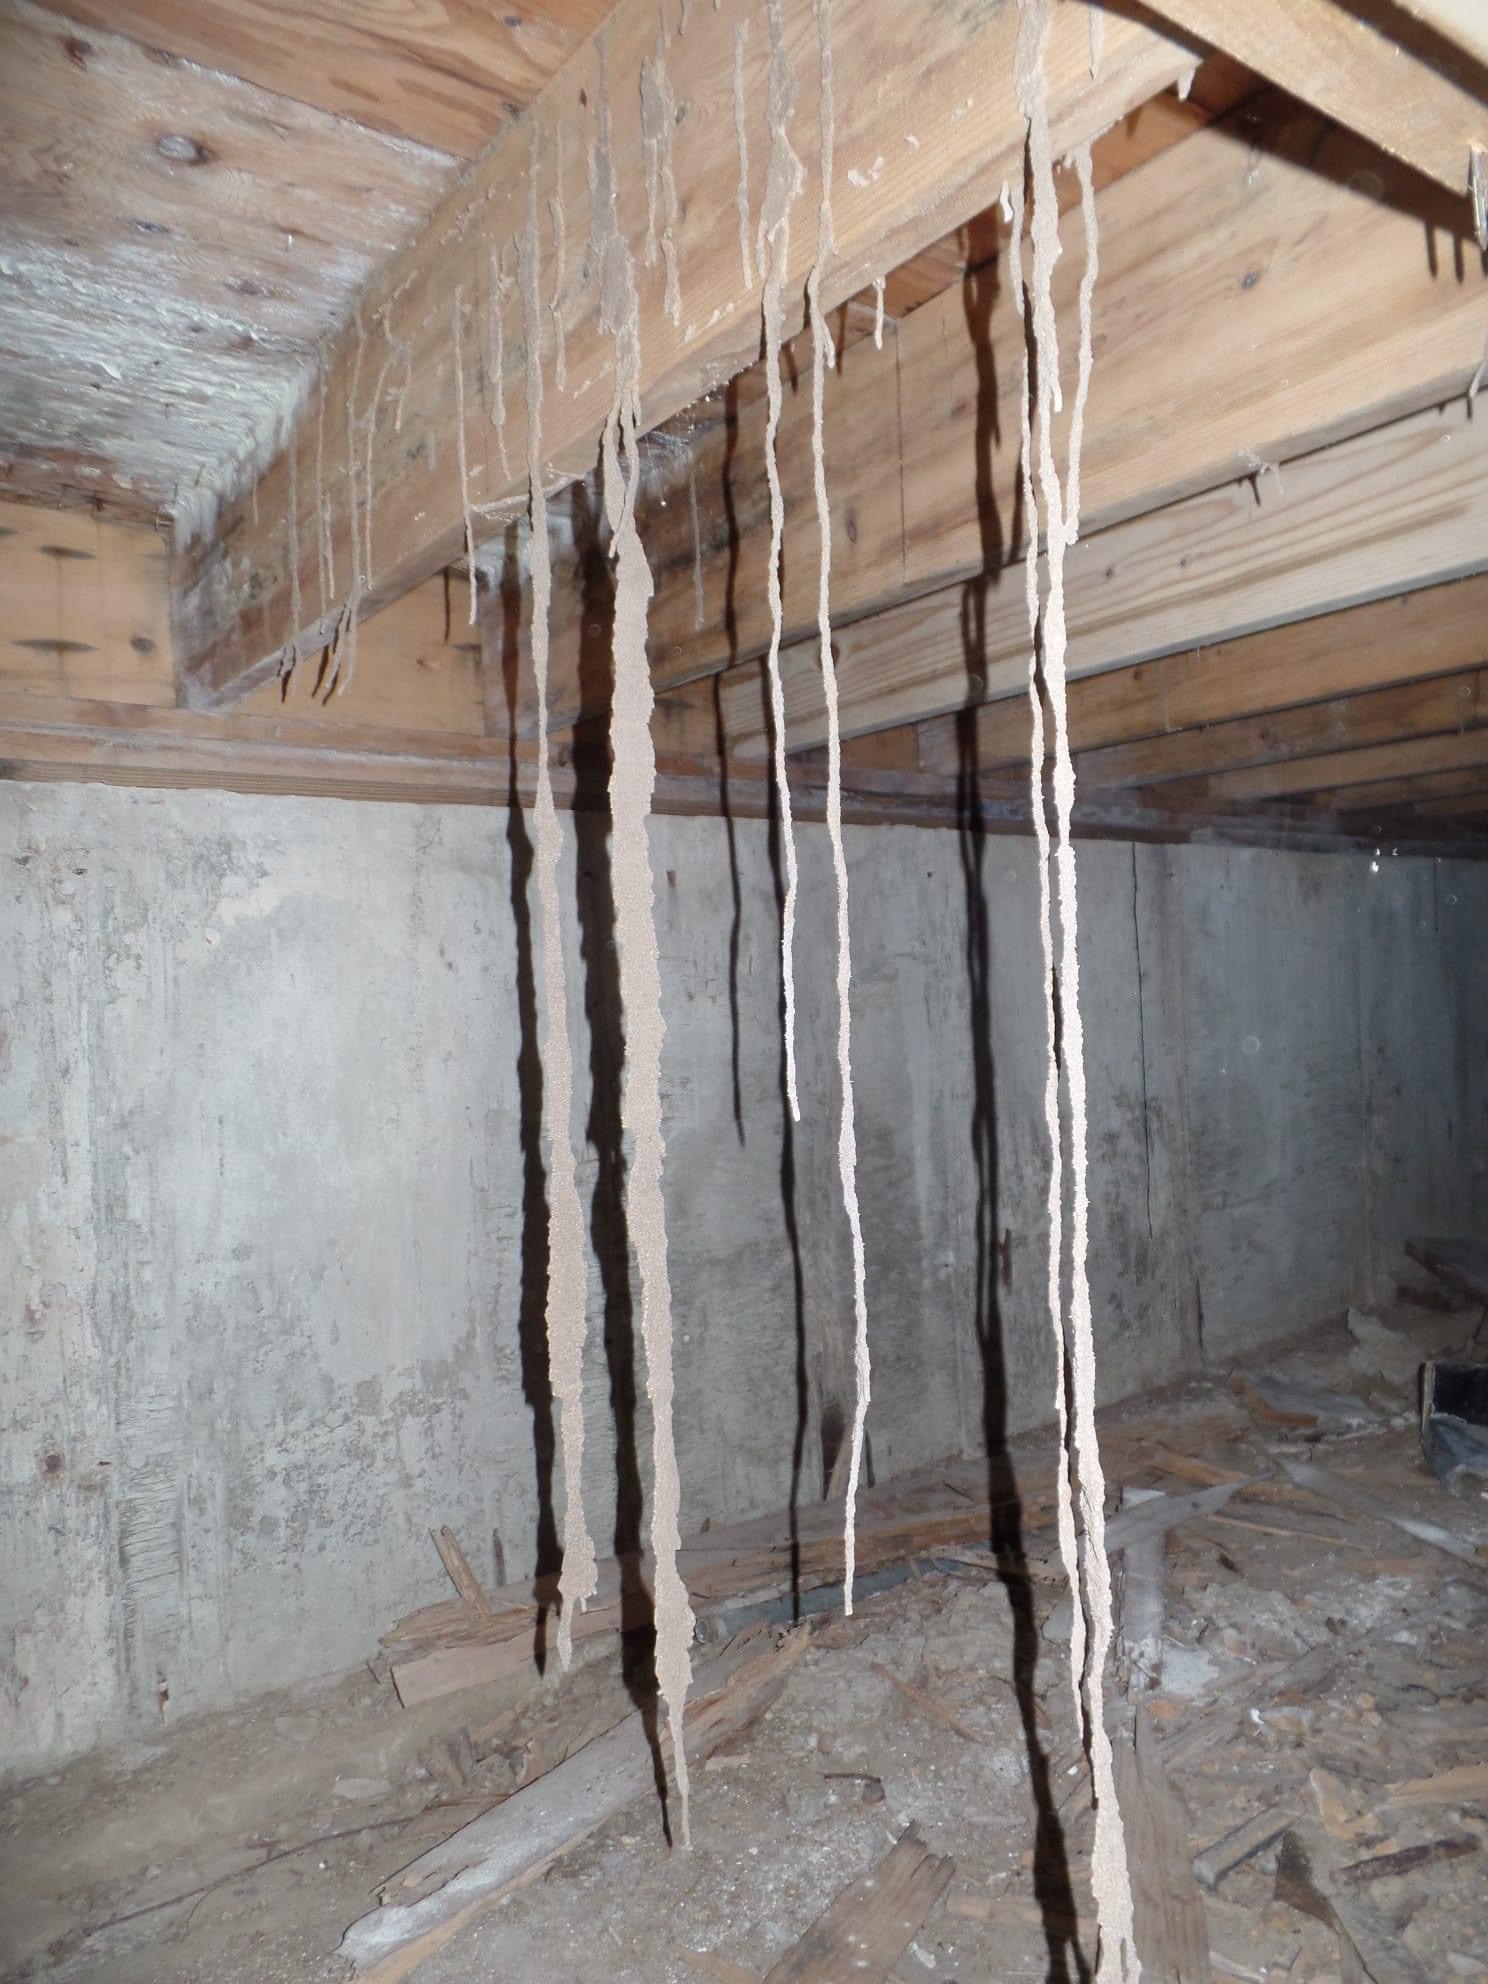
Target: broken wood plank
{"type": "Point", "coordinates": [1321, 1481]}
{"type": "Point", "coordinates": [1172, 1935]}
{"type": "Point", "coordinates": [1189, 1467]}
{"type": "Point", "coordinates": [870, 1925]}
{"type": "Point", "coordinates": [1408, 1860]}
{"type": "Point", "coordinates": [461, 1576]}
{"type": "Point", "coordinates": [1242, 1843]}
{"type": "Point", "coordinates": [1462, 1784]}
{"type": "Point", "coordinates": [1307, 1880]}
{"type": "Point", "coordinates": [394, 499]}
{"type": "Point", "coordinates": [522, 1837]}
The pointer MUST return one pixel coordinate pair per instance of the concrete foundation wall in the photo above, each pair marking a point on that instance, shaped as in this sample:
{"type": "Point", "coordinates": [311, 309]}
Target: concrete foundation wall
{"type": "Point", "coordinates": [273, 1242]}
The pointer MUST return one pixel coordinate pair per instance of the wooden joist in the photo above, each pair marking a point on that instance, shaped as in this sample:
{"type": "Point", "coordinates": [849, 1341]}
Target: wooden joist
{"type": "Point", "coordinates": [1331, 773]}
{"type": "Point", "coordinates": [1291, 232]}
{"type": "Point", "coordinates": [1467, 806]}
{"type": "Point", "coordinates": [1408, 638]}
{"type": "Point", "coordinates": [1446, 703]}
{"type": "Point", "coordinates": [84, 608]}
{"type": "Point", "coordinates": [382, 417]}
{"type": "Point", "coordinates": [1424, 794]}
{"type": "Point", "coordinates": [870, 1925]}
{"type": "Point", "coordinates": [1461, 23]}
{"type": "Point", "coordinates": [1370, 80]}
{"type": "Point", "coordinates": [1390, 511]}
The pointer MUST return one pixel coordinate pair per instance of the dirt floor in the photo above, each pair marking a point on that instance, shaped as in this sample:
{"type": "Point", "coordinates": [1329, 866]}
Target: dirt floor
{"type": "Point", "coordinates": [1290, 1660]}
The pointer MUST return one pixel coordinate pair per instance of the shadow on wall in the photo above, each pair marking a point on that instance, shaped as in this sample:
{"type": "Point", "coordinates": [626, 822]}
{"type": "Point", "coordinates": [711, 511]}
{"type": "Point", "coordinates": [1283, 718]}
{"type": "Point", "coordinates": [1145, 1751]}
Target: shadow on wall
{"type": "Point", "coordinates": [821, 1369]}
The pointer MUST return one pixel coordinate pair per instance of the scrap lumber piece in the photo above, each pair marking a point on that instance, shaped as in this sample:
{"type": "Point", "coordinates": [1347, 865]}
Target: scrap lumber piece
{"type": "Point", "coordinates": [1145, 1520]}
{"type": "Point", "coordinates": [1307, 1880]}
{"type": "Point", "coordinates": [461, 1576]}
{"type": "Point", "coordinates": [1188, 1467]}
{"type": "Point", "coordinates": [443, 1648]}
{"type": "Point", "coordinates": [1279, 1398]}
{"type": "Point", "coordinates": [872, 1922]}
{"type": "Point", "coordinates": [1351, 1496]}
{"type": "Point", "coordinates": [1242, 1843]}
{"type": "Point", "coordinates": [1408, 1860]}
{"type": "Point", "coordinates": [1462, 1784]}
{"type": "Point", "coordinates": [1172, 1933]}
{"type": "Point", "coordinates": [519, 1839]}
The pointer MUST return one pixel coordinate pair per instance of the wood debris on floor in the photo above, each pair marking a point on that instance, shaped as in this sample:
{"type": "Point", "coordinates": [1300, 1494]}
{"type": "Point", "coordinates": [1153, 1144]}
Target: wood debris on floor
{"type": "Point", "coordinates": [1299, 1711]}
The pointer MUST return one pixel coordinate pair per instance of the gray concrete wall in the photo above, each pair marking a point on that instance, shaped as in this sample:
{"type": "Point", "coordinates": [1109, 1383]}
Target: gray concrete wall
{"type": "Point", "coordinates": [266, 1069]}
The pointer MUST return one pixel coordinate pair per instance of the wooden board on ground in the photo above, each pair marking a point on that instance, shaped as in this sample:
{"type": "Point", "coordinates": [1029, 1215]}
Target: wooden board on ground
{"type": "Point", "coordinates": [520, 1838]}
{"type": "Point", "coordinates": [443, 1648]}
{"type": "Point", "coordinates": [872, 1922]}
{"type": "Point", "coordinates": [1171, 1931]}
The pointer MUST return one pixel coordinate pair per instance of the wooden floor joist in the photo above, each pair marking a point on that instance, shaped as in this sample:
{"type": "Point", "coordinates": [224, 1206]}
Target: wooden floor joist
{"type": "Point", "coordinates": [1390, 511]}
{"type": "Point", "coordinates": [1325, 53]}
{"type": "Point", "coordinates": [1416, 710]}
{"type": "Point", "coordinates": [399, 511]}
{"type": "Point", "coordinates": [1410, 637]}
{"type": "Point", "coordinates": [1426, 791]}
{"type": "Point", "coordinates": [1291, 229]}
{"type": "Point", "coordinates": [1331, 773]}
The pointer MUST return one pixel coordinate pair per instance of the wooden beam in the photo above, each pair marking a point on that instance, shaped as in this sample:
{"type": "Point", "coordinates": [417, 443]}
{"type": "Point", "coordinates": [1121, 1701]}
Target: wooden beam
{"type": "Point", "coordinates": [953, 96]}
{"type": "Point", "coordinates": [1413, 636]}
{"type": "Point", "coordinates": [84, 609]}
{"type": "Point", "coordinates": [1447, 703]}
{"type": "Point", "coordinates": [65, 740]}
{"type": "Point", "coordinates": [1330, 773]}
{"type": "Point", "coordinates": [1462, 23]}
{"type": "Point", "coordinates": [1350, 70]}
{"type": "Point", "coordinates": [1387, 512]}
{"type": "Point", "coordinates": [1303, 228]}
{"type": "Point", "coordinates": [1385, 794]}
{"type": "Point", "coordinates": [418, 669]}
{"type": "Point", "coordinates": [176, 243]}
{"type": "Point", "coordinates": [446, 76]}
{"type": "Point", "coordinates": [1464, 806]}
